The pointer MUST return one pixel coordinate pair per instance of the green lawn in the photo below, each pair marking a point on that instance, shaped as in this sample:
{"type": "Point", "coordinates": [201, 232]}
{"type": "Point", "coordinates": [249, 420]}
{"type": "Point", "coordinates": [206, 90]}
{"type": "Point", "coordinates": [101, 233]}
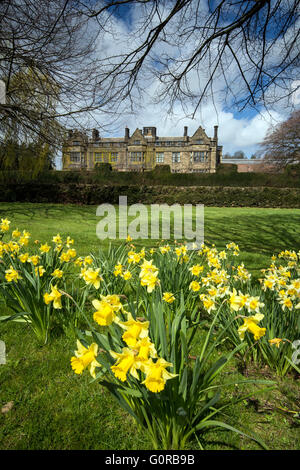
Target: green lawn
{"type": "Point", "coordinates": [258, 232]}
{"type": "Point", "coordinates": [52, 408]}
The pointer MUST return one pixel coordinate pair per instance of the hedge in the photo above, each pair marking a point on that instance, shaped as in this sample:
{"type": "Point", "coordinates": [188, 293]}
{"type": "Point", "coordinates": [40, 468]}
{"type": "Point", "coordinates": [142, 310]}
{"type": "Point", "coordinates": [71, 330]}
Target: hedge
{"type": "Point", "coordinates": [95, 194]}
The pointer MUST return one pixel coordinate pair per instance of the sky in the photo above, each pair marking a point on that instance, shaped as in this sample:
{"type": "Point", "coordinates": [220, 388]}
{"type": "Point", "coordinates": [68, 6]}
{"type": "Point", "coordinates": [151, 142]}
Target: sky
{"type": "Point", "coordinates": [236, 130]}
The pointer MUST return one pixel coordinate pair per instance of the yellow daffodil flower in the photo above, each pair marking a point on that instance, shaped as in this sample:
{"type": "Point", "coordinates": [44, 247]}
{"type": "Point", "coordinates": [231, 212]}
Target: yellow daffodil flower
{"type": "Point", "coordinates": [106, 310]}
{"type": "Point", "coordinates": [126, 362]}
{"type": "Point", "coordinates": [196, 270]}
{"type": "Point", "coordinates": [275, 341]}
{"type": "Point", "coordinates": [250, 324]}
{"type": "Point", "coordinates": [57, 273]}
{"type": "Point", "coordinates": [135, 330]}
{"type": "Point", "coordinates": [54, 296]}
{"type": "Point", "coordinates": [168, 297]}
{"type": "Point", "coordinates": [45, 248]}
{"type": "Point", "coordinates": [92, 277]}
{"type": "Point", "coordinates": [57, 239]}
{"type": "Point", "coordinates": [157, 375]}
{"type": "Point", "coordinates": [11, 275]}
{"type": "Point", "coordinates": [194, 286]}
{"type": "Point", "coordinates": [85, 358]}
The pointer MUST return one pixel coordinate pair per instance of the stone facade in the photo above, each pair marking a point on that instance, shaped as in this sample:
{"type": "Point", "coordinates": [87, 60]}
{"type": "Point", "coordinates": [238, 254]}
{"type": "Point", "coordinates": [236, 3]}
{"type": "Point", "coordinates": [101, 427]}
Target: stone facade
{"type": "Point", "coordinates": [143, 150]}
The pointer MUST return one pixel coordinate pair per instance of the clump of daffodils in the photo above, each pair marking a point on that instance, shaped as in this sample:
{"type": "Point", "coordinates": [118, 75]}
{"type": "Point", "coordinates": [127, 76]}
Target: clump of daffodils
{"type": "Point", "coordinates": [138, 356]}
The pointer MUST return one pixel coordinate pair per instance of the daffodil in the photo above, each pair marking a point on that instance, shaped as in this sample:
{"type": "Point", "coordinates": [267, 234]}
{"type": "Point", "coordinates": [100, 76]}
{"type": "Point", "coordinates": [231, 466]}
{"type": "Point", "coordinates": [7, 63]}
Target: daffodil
{"type": "Point", "coordinates": [208, 303]}
{"type": "Point", "coordinates": [16, 233]}
{"type": "Point", "coordinates": [118, 269]}
{"type": "Point", "coordinates": [157, 375]}
{"type": "Point", "coordinates": [126, 363]}
{"type": "Point", "coordinates": [24, 257]}
{"type": "Point", "coordinates": [85, 358]}
{"type": "Point", "coordinates": [168, 297]}
{"type": "Point", "coordinates": [40, 270]}
{"type": "Point", "coordinates": [251, 324]}
{"type": "Point", "coordinates": [286, 302]}
{"type": "Point", "coordinates": [65, 257]}
{"type": "Point", "coordinates": [126, 275]}
{"type": "Point", "coordinates": [106, 312]}
{"type": "Point", "coordinates": [57, 239]}
{"type": "Point", "coordinates": [147, 267]}
{"type": "Point", "coordinates": [235, 301]}
{"type": "Point", "coordinates": [88, 260]}
{"type": "Point", "coordinates": [150, 280]}
{"type": "Point", "coordinates": [34, 259]}
{"type": "Point", "coordinates": [11, 275]}
{"type": "Point", "coordinates": [4, 225]}
{"type": "Point", "coordinates": [146, 350]}
{"type": "Point", "coordinates": [54, 296]}
{"type": "Point", "coordinates": [57, 273]}
{"type": "Point", "coordinates": [92, 277]}
{"type": "Point", "coordinates": [69, 242]}
{"type": "Point", "coordinates": [194, 286]}
{"type": "Point", "coordinates": [253, 304]}
{"type": "Point", "coordinates": [164, 249]}
{"type": "Point", "coordinates": [196, 269]}
{"type": "Point", "coordinates": [45, 248]}
{"type": "Point", "coordinates": [275, 341]}
{"type": "Point", "coordinates": [135, 330]}
{"type": "Point", "coordinates": [72, 253]}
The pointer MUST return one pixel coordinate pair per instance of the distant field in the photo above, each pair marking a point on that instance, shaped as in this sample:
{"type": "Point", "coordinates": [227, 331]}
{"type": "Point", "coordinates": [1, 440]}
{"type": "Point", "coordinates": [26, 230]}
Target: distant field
{"type": "Point", "coordinates": [259, 232]}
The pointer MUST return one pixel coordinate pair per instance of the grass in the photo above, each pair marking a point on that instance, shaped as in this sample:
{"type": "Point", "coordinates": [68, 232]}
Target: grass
{"type": "Point", "coordinates": [55, 409]}
{"type": "Point", "coordinates": [259, 232]}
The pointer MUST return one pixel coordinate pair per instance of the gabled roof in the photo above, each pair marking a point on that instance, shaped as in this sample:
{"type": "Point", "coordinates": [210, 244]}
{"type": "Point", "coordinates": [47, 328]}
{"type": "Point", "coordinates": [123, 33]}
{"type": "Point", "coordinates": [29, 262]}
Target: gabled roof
{"type": "Point", "coordinates": [137, 135]}
{"type": "Point", "coordinates": [200, 134]}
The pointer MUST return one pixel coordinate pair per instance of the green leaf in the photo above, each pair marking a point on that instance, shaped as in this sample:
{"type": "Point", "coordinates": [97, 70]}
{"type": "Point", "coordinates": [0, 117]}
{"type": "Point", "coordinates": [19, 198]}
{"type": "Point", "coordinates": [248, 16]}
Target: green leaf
{"type": "Point", "coordinates": [213, 371]}
{"type": "Point", "coordinates": [196, 375]}
{"type": "Point", "coordinates": [207, 405]}
{"type": "Point", "coordinates": [13, 317]}
{"type": "Point", "coordinates": [183, 383]}
{"type": "Point", "coordinates": [213, 423]}
{"type": "Point", "coordinates": [113, 388]}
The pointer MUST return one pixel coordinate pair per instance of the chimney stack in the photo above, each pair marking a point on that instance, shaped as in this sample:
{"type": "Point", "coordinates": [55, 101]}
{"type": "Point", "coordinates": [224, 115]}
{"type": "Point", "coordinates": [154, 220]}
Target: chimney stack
{"type": "Point", "coordinates": [216, 133]}
{"type": "Point", "coordinates": [185, 131]}
{"type": "Point", "coordinates": [95, 134]}
{"type": "Point", "coordinates": [126, 133]}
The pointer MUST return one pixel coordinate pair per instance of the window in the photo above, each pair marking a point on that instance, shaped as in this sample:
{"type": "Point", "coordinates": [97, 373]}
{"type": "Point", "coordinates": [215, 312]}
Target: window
{"type": "Point", "coordinates": [99, 158]}
{"type": "Point", "coordinates": [160, 157]}
{"type": "Point", "coordinates": [136, 142]}
{"type": "Point", "coordinates": [199, 141]}
{"type": "Point", "coordinates": [76, 143]}
{"type": "Point", "coordinates": [199, 156]}
{"type": "Point", "coordinates": [75, 157]}
{"type": "Point", "coordinates": [175, 157]}
{"type": "Point", "coordinates": [136, 156]}
{"type": "Point", "coordinates": [114, 157]}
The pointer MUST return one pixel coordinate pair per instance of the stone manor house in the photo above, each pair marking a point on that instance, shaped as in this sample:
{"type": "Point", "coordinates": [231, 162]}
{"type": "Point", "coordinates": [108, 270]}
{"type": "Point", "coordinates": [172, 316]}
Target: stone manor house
{"type": "Point", "coordinates": [143, 150]}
